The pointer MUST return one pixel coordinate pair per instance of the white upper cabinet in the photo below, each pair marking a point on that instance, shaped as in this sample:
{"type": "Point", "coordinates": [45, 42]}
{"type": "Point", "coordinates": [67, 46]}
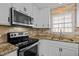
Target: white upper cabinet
{"type": "Point", "coordinates": [29, 9]}
{"type": "Point", "coordinates": [41, 17]}
{"type": "Point", "coordinates": [18, 6]}
{"type": "Point", "coordinates": [4, 13]}
{"type": "Point", "coordinates": [25, 7]}
{"type": "Point", "coordinates": [44, 18]}
{"type": "Point", "coordinates": [77, 19]}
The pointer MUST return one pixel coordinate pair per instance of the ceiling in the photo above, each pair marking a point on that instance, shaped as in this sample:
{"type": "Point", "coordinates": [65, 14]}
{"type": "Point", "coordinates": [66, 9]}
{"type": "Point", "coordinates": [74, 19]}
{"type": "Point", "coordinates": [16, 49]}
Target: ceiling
{"type": "Point", "coordinates": [48, 5]}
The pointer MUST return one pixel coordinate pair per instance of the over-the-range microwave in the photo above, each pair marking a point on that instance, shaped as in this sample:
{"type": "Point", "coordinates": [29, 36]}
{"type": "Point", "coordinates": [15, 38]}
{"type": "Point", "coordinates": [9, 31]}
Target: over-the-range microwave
{"type": "Point", "coordinates": [18, 17]}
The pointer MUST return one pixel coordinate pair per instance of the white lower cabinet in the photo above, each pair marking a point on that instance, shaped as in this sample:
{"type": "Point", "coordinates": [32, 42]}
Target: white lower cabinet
{"type": "Point", "coordinates": [68, 52]}
{"type": "Point", "coordinates": [46, 49]}
{"type": "Point", "coordinates": [53, 51]}
{"type": "Point", "coordinates": [57, 48]}
{"type": "Point", "coordinates": [43, 48]}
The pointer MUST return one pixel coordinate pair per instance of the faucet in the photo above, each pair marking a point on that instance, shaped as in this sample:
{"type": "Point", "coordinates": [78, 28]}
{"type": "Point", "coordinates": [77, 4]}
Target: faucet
{"type": "Point", "coordinates": [60, 38]}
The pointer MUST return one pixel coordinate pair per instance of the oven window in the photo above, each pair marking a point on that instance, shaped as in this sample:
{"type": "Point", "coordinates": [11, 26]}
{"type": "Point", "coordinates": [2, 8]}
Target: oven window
{"type": "Point", "coordinates": [32, 51]}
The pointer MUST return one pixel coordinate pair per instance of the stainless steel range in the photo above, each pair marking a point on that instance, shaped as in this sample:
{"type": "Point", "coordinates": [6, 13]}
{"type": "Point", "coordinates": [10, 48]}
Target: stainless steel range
{"type": "Point", "coordinates": [26, 46]}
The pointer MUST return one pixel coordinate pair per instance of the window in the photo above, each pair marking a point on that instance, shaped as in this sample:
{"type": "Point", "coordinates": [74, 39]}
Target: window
{"type": "Point", "coordinates": [62, 23]}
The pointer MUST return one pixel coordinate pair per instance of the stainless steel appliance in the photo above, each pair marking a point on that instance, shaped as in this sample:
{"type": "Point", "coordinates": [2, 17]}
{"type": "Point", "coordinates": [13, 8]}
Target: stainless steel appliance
{"type": "Point", "coordinates": [31, 49]}
{"type": "Point", "coordinates": [20, 18]}
{"type": "Point", "coordinates": [26, 46]}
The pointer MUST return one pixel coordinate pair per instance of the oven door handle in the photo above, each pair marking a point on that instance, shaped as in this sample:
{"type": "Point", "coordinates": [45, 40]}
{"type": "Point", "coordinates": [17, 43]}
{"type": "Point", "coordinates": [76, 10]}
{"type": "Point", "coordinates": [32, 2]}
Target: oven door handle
{"type": "Point", "coordinates": [21, 43]}
{"type": "Point", "coordinates": [29, 46]}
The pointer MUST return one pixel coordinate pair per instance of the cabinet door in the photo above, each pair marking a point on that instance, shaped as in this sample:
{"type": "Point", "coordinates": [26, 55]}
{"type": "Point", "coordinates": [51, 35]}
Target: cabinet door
{"type": "Point", "coordinates": [29, 9]}
{"type": "Point", "coordinates": [48, 49]}
{"type": "Point", "coordinates": [43, 18]}
{"type": "Point", "coordinates": [25, 7]}
{"type": "Point", "coordinates": [53, 51]}
{"type": "Point", "coordinates": [43, 48]}
{"type": "Point", "coordinates": [69, 52]}
{"type": "Point", "coordinates": [18, 6]}
{"type": "Point", "coordinates": [4, 13]}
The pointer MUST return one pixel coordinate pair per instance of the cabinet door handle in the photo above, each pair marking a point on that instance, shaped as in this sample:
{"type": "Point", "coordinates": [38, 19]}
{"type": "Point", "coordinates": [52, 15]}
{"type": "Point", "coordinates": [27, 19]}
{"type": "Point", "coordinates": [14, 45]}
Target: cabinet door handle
{"type": "Point", "coordinates": [60, 49]}
{"type": "Point", "coordinates": [8, 19]}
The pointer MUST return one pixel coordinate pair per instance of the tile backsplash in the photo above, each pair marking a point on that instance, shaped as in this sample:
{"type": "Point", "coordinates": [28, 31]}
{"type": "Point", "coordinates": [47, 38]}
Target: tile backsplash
{"type": "Point", "coordinates": [5, 29]}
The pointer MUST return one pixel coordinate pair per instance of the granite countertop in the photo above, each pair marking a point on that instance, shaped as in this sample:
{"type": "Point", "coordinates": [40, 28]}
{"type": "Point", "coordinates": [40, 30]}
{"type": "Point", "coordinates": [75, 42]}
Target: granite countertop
{"type": "Point", "coordinates": [6, 48]}
{"type": "Point", "coordinates": [65, 38]}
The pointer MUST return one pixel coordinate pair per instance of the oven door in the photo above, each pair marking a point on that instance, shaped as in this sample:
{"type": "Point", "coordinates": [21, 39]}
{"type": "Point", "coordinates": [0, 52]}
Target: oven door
{"type": "Point", "coordinates": [31, 50]}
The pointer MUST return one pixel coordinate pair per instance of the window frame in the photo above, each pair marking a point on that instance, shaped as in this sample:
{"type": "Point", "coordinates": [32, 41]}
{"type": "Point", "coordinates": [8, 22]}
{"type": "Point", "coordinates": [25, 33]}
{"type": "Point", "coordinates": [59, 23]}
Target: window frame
{"type": "Point", "coordinates": [64, 22]}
